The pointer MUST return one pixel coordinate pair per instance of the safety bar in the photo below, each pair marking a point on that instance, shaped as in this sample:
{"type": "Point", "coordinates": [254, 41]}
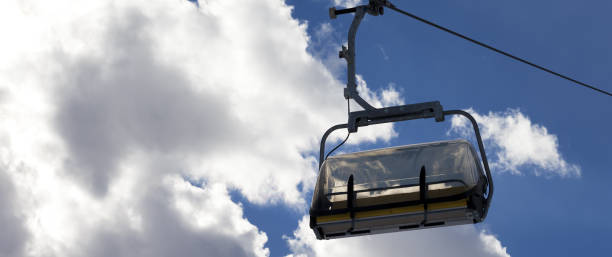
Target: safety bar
{"type": "Point", "coordinates": [401, 186]}
{"type": "Point", "coordinates": [411, 116]}
{"type": "Point", "coordinates": [483, 155]}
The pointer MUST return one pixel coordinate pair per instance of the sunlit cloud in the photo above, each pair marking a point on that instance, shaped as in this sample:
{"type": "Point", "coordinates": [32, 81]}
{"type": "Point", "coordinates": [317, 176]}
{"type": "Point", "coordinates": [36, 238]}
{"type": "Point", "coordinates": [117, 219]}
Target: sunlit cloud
{"type": "Point", "coordinates": [108, 106]}
{"type": "Point", "coordinates": [515, 143]}
{"type": "Point", "coordinates": [463, 240]}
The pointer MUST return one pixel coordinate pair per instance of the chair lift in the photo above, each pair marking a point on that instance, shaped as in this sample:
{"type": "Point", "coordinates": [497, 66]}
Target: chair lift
{"type": "Point", "coordinates": [398, 188]}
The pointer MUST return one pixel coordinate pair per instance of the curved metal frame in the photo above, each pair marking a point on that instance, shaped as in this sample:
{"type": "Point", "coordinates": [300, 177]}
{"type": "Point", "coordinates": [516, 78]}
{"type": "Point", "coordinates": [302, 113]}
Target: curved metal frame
{"type": "Point", "coordinates": [450, 112]}
{"type": "Point", "coordinates": [371, 115]}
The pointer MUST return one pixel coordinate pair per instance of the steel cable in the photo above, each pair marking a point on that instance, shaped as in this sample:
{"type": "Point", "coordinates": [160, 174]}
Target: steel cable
{"type": "Point", "coordinates": [392, 7]}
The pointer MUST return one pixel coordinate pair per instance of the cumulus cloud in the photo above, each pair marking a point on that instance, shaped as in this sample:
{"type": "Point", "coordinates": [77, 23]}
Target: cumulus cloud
{"type": "Point", "coordinates": [139, 216]}
{"type": "Point", "coordinates": [107, 106]}
{"type": "Point", "coordinates": [14, 233]}
{"type": "Point", "coordinates": [348, 3]}
{"type": "Point", "coordinates": [448, 241]}
{"type": "Point", "coordinates": [516, 143]}
{"type": "Point", "coordinates": [385, 97]}
{"type": "Point", "coordinates": [324, 45]}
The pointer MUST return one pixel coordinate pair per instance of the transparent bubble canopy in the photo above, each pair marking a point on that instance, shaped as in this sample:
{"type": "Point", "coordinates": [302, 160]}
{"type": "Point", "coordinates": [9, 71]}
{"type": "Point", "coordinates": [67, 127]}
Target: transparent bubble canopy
{"type": "Point", "coordinates": [451, 167]}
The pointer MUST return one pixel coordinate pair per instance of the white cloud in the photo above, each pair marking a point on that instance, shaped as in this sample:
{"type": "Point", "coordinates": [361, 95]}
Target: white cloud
{"type": "Point", "coordinates": [449, 241]}
{"type": "Point", "coordinates": [517, 143]}
{"type": "Point", "coordinates": [105, 105]}
{"type": "Point", "coordinates": [492, 244]}
{"type": "Point", "coordinates": [145, 212]}
{"type": "Point", "coordinates": [387, 97]}
{"type": "Point", "coordinates": [14, 233]}
{"type": "Point", "coordinates": [384, 98]}
{"type": "Point", "coordinates": [324, 45]}
{"type": "Point", "coordinates": [348, 3]}
{"type": "Point", "coordinates": [139, 216]}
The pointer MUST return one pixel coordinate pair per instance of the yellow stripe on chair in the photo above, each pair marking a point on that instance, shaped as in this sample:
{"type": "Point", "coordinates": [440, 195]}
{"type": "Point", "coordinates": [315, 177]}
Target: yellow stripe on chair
{"type": "Point", "coordinates": [392, 211]}
{"type": "Point", "coordinates": [448, 205]}
{"type": "Point", "coordinates": [335, 217]}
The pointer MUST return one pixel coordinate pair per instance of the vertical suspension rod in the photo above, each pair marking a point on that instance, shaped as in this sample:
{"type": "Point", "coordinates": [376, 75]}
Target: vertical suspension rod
{"type": "Point", "coordinates": [350, 92]}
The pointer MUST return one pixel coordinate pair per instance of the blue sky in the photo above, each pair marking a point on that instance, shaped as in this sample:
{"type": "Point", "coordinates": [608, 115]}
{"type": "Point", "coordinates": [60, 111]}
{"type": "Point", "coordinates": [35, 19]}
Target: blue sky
{"type": "Point", "coordinates": [531, 215]}
{"type": "Point", "coordinates": [165, 128]}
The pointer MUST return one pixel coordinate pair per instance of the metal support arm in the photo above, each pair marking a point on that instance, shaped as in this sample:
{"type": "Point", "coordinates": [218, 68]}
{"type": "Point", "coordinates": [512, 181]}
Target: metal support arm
{"type": "Point", "coordinates": [350, 92]}
{"type": "Point", "coordinates": [375, 7]}
{"type": "Point", "coordinates": [370, 114]}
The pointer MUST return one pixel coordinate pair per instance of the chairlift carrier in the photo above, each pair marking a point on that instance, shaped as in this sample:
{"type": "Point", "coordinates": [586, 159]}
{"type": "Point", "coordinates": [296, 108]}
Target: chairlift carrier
{"type": "Point", "coordinates": [399, 188]}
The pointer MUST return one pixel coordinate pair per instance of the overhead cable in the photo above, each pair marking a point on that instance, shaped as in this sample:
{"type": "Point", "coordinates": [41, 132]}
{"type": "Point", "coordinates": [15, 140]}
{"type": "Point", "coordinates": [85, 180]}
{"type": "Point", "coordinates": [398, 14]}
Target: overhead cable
{"type": "Point", "coordinates": [391, 6]}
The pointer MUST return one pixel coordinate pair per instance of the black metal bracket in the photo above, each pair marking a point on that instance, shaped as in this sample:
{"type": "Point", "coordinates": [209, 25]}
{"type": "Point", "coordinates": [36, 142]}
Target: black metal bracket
{"type": "Point", "coordinates": [423, 188]}
{"type": "Point", "coordinates": [374, 7]}
{"type": "Point", "coordinates": [395, 113]}
{"type": "Point", "coordinates": [350, 201]}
